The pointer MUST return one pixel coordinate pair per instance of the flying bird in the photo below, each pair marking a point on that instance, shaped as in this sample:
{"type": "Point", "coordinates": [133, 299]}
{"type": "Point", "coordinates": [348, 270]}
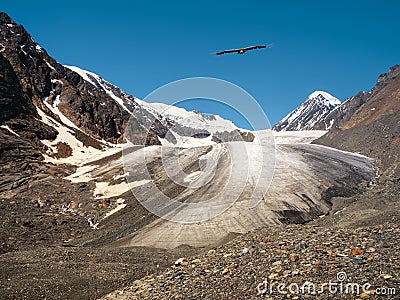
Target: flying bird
{"type": "Point", "coordinates": [243, 50]}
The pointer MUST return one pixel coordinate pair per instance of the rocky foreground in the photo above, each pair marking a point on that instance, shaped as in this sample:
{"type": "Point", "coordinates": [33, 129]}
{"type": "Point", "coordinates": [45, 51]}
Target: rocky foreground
{"type": "Point", "coordinates": [252, 266]}
{"type": "Point", "coordinates": [356, 245]}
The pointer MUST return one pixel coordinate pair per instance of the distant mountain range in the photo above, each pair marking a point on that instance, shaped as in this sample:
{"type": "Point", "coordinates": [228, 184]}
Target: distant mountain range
{"type": "Point", "coordinates": [322, 111]}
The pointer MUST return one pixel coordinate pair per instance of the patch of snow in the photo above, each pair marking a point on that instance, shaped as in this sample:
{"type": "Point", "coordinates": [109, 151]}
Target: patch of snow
{"type": "Point", "coordinates": [186, 141]}
{"type": "Point", "coordinates": [49, 65]}
{"type": "Point", "coordinates": [99, 83]}
{"type": "Point", "coordinates": [92, 224]}
{"type": "Point", "coordinates": [109, 144]}
{"type": "Point", "coordinates": [56, 111]}
{"type": "Point", "coordinates": [314, 109]}
{"type": "Point", "coordinates": [297, 137]}
{"type": "Point", "coordinates": [22, 49]}
{"type": "Point", "coordinates": [342, 151]}
{"type": "Point", "coordinates": [82, 174]}
{"type": "Point", "coordinates": [81, 73]}
{"type": "Point", "coordinates": [104, 190]}
{"type": "Point", "coordinates": [9, 129]}
{"type": "Point", "coordinates": [120, 205]}
{"type": "Point", "coordinates": [57, 80]}
{"type": "Point", "coordinates": [117, 99]}
{"type": "Point", "coordinates": [80, 153]}
{"type": "Point", "coordinates": [339, 211]}
{"type": "Point", "coordinates": [116, 177]}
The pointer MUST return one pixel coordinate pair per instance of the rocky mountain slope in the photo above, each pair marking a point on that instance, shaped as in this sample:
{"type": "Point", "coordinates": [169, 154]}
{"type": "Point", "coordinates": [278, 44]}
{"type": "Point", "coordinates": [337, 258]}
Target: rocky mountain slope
{"type": "Point", "coordinates": [373, 129]}
{"type": "Point", "coordinates": [311, 114]}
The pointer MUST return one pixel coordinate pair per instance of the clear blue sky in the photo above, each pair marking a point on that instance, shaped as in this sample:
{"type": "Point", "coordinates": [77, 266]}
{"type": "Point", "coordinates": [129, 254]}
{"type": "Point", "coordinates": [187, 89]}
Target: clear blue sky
{"type": "Point", "coordinates": [336, 46]}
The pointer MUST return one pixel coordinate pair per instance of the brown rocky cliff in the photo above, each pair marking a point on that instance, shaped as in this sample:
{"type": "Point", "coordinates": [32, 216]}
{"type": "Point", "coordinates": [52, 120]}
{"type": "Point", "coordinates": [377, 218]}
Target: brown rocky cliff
{"type": "Point", "coordinates": [374, 128]}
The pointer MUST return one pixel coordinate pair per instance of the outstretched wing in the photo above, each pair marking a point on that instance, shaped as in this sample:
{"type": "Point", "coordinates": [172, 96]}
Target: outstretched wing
{"type": "Point", "coordinates": [257, 47]}
{"type": "Point", "coordinates": [227, 51]}
{"type": "Point", "coordinates": [243, 49]}
{"type": "Point", "coordinates": [250, 48]}
{"type": "Point", "coordinates": [264, 46]}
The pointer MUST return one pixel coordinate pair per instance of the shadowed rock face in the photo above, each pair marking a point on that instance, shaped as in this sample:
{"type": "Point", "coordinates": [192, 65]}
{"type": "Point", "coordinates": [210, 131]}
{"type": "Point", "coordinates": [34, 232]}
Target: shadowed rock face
{"type": "Point", "coordinates": [18, 113]}
{"type": "Point", "coordinates": [13, 101]}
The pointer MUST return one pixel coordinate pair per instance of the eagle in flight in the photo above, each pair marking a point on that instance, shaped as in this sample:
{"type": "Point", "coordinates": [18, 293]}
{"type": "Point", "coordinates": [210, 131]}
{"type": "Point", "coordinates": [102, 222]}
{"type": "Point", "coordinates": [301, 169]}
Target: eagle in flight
{"type": "Point", "coordinates": [243, 50]}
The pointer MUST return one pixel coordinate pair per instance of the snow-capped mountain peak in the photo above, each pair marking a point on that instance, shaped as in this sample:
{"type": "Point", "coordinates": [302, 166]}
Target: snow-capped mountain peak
{"type": "Point", "coordinates": [324, 97]}
{"type": "Point", "coordinates": [310, 113]}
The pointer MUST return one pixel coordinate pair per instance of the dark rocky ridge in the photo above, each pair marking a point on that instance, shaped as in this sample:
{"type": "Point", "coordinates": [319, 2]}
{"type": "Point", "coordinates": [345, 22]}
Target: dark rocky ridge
{"type": "Point", "coordinates": [13, 100]}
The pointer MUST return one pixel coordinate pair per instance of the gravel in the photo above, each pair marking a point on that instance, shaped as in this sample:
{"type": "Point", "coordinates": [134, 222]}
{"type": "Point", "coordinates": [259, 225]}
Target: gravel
{"type": "Point", "coordinates": [292, 254]}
